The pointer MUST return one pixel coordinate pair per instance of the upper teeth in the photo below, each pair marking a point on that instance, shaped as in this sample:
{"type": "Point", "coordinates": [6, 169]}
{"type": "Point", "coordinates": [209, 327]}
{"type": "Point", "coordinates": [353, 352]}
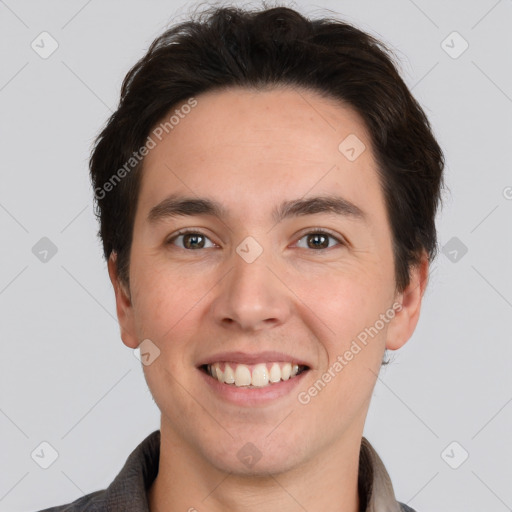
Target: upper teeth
{"type": "Point", "coordinates": [262, 373]}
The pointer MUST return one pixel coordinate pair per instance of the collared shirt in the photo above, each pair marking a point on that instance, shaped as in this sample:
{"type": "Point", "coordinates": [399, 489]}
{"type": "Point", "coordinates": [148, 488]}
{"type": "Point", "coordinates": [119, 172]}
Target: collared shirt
{"type": "Point", "coordinates": [128, 491]}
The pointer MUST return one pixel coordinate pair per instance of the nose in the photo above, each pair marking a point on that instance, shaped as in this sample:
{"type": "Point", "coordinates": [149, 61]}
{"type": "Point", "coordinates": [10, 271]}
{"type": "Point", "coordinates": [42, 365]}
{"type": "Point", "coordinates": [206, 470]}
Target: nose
{"type": "Point", "coordinates": [253, 295]}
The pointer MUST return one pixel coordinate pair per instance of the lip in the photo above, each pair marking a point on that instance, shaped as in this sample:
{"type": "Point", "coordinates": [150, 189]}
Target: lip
{"type": "Point", "coordinates": [246, 358]}
{"type": "Point", "coordinates": [250, 397]}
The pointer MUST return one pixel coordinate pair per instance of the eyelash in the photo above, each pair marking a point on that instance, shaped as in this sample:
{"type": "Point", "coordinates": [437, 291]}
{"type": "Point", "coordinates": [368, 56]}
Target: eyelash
{"type": "Point", "coordinates": [316, 231]}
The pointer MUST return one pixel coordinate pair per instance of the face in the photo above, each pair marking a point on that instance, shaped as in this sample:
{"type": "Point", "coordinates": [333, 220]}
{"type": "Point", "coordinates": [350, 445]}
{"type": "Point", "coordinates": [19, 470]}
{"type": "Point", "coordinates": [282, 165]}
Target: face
{"type": "Point", "coordinates": [303, 286]}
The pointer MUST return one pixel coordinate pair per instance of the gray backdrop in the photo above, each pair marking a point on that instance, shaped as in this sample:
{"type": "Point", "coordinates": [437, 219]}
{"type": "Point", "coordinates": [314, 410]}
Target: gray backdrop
{"type": "Point", "coordinates": [441, 413]}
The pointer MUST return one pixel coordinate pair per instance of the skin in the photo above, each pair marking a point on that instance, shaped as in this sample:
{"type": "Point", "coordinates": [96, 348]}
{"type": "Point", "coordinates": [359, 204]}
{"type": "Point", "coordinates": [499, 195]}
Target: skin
{"type": "Point", "coordinates": [251, 150]}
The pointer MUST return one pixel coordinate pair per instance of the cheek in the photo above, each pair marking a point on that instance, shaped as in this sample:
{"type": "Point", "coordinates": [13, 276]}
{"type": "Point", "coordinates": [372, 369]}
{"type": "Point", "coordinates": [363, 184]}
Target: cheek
{"type": "Point", "coordinates": [354, 343]}
{"type": "Point", "coordinates": [344, 312]}
{"type": "Point", "coordinates": [346, 297]}
{"type": "Point", "coordinates": [165, 297]}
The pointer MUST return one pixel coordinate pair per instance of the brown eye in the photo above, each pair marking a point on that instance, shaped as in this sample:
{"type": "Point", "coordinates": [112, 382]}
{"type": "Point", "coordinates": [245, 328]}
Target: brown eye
{"type": "Point", "coordinates": [319, 240]}
{"type": "Point", "coordinates": [191, 240]}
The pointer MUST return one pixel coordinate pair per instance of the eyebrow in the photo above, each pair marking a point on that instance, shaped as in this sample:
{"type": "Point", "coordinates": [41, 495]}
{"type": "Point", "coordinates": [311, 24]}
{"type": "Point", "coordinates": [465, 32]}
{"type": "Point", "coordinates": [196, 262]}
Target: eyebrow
{"type": "Point", "coordinates": [180, 206]}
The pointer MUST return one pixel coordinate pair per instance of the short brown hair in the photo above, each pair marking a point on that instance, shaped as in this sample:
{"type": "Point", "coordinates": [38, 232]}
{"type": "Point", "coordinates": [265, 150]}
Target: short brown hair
{"type": "Point", "coordinates": [229, 46]}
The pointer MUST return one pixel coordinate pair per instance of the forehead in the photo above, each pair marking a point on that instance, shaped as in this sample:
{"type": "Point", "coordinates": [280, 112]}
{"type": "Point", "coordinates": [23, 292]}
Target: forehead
{"type": "Point", "coordinates": [273, 118]}
{"type": "Point", "coordinates": [249, 147]}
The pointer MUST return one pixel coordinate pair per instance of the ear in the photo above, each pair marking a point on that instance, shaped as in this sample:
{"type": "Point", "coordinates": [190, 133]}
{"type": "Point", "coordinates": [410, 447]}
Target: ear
{"type": "Point", "coordinates": [401, 328]}
{"type": "Point", "coordinates": [124, 308]}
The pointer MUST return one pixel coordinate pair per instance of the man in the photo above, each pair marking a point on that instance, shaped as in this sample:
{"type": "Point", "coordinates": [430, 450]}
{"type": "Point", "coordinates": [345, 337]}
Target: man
{"type": "Point", "coordinates": [266, 191]}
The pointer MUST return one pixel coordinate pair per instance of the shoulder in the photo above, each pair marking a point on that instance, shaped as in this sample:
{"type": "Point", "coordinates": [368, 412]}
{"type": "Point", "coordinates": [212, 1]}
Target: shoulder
{"type": "Point", "coordinates": [405, 508]}
{"type": "Point", "coordinates": [93, 502]}
{"type": "Point", "coordinates": [128, 490]}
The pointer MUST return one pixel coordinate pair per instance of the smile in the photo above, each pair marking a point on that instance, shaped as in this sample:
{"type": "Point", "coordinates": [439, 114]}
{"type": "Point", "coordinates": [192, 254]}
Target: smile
{"type": "Point", "coordinates": [253, 376]}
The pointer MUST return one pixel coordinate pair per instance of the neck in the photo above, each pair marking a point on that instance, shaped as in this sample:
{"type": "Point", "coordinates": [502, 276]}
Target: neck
{"type": "Point", "coordinates": [188, 482]}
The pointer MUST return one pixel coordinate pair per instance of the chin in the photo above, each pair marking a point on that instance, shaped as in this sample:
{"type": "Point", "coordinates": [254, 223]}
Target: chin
{"type": "Point", "coordinates": [262, 468]}
{"type": "Point", "coordinates": [258, 457]}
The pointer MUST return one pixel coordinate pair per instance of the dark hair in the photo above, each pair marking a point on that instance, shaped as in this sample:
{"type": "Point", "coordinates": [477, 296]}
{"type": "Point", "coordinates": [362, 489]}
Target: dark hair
{"type": "Point", "coordinates": [231, 47]}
